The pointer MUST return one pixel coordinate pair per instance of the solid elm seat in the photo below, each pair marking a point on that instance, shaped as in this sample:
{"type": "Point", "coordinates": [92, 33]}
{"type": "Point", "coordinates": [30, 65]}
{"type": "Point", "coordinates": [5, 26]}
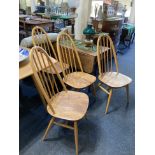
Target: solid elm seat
{"type": "Point", "coordinates": [79, 79]}
{"type": "Point", "coordinates": [115, 80]}
{"type": "Point", "coordinates": [69, 105]}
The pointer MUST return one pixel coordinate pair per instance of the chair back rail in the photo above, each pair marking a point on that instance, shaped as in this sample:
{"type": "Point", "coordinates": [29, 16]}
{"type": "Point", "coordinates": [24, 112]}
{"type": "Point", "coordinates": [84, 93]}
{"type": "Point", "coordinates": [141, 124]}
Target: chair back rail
{"type": "Point", "coordinates": [105, 59]}
{"type": "Point", "coordinates": [40, 38]}
{"type": "Point", "coordinates": [68, 54]}
{"type": "Point", "coordinates": [41, 64]}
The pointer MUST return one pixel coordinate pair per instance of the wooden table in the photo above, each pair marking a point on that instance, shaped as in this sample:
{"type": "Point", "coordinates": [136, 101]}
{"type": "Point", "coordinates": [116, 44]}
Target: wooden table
{"type": "Point", "coordinates": [32, 22]}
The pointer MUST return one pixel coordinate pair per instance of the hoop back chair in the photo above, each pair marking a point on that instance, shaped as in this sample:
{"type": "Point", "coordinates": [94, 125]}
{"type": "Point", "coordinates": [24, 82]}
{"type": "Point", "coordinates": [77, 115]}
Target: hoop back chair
{"type": "Point", "coordinates": [67, 53]}
{"type": "Point", "coordinates": [108, 69]}
{"type": "Point", "coordinates": [40, 38]}
{"type": "Point", "coordinates": [62, 104]}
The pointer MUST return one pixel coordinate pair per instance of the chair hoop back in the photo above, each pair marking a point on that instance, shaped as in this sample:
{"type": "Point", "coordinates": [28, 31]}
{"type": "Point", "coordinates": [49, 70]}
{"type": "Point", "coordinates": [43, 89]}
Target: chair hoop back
{"type": "Point", "coordinates": [40, 38]}
{"type": "Point", "coordinates": [46, 81]}
{"type": "Point", "coordinates": [105, 59]}
{"type": "Point", "coordinates": [68, 54]}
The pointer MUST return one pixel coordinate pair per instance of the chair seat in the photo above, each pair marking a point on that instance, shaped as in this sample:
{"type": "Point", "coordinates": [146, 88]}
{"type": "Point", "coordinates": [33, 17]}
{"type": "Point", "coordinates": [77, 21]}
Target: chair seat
{"type": "Point", "coordinates": [79, 79]}
{"type": "Point", "coordinates": [115, 80]}
{"type": "Point", "coordinates": [69, 105]}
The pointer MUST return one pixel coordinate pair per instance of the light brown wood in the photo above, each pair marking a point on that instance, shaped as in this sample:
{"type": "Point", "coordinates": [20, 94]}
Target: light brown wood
{"type": "Point", "coordinates": [79, 80]}
{"type": "Point", "coordinates": [64, 125]}
{"type": "Point", "coordinates": [108, 102]}
{"type": "Point", "coordinates": [40, 38]}
{"type": "Point", "coordinates": [114, 79]}
{"type": "Point", "coordinates": [76, 136]}
{"type": "Point", "coordinates": [25, 69]}
{"type": "Point", "coordinates": [62, 104]}
{"type": "Point", "coordinates": [48, 127]}
{"type": "Point", "coordinates": [69, 105]}
{"type": "Point", "coordinates": [68, 54]}
{"type": "Point", "coordinates": [107, 75]}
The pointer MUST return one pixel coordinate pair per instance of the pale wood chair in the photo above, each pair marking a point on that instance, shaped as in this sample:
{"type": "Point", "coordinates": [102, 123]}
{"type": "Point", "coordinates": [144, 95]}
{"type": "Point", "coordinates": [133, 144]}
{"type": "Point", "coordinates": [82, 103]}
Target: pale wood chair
{"type": "Point", "coordinates": [112, 79]}
{"type": "Point", "coordinates": [40, 38]}
{"type": "Point", "coordinates": [66, 105]}
{"type": "Point", "coordinates": [74, 76]}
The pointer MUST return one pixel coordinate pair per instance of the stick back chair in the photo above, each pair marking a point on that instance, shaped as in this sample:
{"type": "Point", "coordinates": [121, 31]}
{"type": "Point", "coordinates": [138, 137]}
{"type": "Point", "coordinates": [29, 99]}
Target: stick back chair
{"type": "Point", "coordinates": [107, 75]}
{"type": "Point", "coordinates": [62, 104]}
{"type": "Point", "coordinates": [74, 76]}
{"type": "Point", "coordinates": [40, 38]}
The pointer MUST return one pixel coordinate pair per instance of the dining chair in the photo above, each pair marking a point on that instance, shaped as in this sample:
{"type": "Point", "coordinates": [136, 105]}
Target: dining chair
{"type": "Point", "coordinates": [61, 104]}
{"type": "Point", "coordinates": [40, 38]}
{"type": "Point", "coordinates": [74, 76]}
{"type": "Point", "coordinates": [108, 69]}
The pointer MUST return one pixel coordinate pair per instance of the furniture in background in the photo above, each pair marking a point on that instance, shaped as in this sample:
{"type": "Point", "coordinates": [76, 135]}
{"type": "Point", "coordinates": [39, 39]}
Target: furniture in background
{"type": "Point", "coordinates": [112, 79]}
{"type": "Point", "coordinates": [67, 20]}
{"type": "Point", "coordinates": [128, 34]}
{"type": "Point", "coordinates": [74, 76]}
{"type": "Point", "coordinates": [61, 104]}
{"type": "Point", "coordinates": [113, 26]}
{"type": "Point", "coordinates": [32, 21]}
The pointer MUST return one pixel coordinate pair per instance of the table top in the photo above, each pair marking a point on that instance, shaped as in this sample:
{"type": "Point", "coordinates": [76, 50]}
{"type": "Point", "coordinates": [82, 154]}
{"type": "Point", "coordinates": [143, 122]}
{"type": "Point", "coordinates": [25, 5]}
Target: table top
{"type": "Point", "coordinates": [25, 69]}
{"type": "Point", "coordinates": [92, 51]}
{"type": "Point", "coordinates": [35, 21]}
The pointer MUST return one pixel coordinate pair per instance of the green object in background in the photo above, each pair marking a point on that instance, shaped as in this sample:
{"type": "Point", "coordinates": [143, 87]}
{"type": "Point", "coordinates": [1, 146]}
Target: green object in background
{"type": "Point", "coordinates": [129, 27]}
{"type": "Point", "coordinates": [89, 30]}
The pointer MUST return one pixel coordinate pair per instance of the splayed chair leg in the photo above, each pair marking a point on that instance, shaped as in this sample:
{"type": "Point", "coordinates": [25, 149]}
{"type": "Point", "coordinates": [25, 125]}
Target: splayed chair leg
{"type": "Point", "coordinates": [49, 126]}
{"type": "Point", "coordinates": [108, 102]}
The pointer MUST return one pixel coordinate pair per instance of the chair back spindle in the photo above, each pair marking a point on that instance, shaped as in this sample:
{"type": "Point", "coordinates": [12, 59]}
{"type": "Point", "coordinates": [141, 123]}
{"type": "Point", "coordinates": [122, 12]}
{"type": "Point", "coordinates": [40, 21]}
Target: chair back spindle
{"type": "Point", "coordinates": [105, 57]}
{"type": "Point", "coordinates": [68, 54]}
{"type": "Point", "coordinates": [40, 38]}
{"type": "Point", "coordinates": [40, 63]}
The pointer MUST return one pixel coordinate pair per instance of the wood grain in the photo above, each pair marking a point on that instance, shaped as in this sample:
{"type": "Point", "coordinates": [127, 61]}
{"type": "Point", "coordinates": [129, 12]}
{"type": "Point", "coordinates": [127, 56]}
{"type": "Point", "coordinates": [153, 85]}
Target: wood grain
{"type": "Point", "coordinates": [107, 75]}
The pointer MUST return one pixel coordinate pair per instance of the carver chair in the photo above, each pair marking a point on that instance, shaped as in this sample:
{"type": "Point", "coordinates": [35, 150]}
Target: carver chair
{"type": "Point", "coordinates": [62, 104]}
{"type": "Point", "coordinates": [74, 75]}
{"type": "Point", "coordinates": [112, 79]}
{"type": "Point", "coordinates": [40, 38]}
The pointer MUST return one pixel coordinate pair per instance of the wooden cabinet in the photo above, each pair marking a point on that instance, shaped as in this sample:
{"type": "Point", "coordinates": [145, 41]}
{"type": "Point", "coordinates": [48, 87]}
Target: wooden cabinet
{"type": "Point", "coordinates": [113, 26]}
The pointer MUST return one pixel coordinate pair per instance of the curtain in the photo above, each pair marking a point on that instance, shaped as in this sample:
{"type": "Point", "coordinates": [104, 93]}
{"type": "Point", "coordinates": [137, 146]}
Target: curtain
{"type": "Point", "coordinates": [83, 12]}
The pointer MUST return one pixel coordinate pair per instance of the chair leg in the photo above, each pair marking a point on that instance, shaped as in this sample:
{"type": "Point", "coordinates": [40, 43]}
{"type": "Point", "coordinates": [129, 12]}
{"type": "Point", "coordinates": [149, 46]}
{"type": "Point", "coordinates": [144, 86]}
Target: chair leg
{"type": "Point", "coordinates": [49, 126]}
{"type": "Point", "coordinates": [127, 92]}
{"type": "Point", "coordinates": [76, 136]}
{"type": "Point", "coordinates": [108, 102]}
{"type": "Point", "coordinates": [94, 90]}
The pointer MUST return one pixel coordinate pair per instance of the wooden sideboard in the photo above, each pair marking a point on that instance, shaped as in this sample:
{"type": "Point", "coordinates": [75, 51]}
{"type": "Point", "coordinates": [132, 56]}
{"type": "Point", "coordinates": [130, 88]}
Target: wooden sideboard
{"type": "Point", "coordinates": [113, 26]}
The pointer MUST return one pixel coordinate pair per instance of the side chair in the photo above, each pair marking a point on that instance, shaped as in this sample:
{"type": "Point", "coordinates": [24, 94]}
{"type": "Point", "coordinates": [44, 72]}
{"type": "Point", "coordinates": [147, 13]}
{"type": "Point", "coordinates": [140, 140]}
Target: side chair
{"type": "Point", "coordinates": [112, 79]}
{"type": "Point", "coordinates": [74, 76]}
{"type": "Point", "coordinates": [61, 104]}
{"type": "Point", "coordinates": [40, 38]}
